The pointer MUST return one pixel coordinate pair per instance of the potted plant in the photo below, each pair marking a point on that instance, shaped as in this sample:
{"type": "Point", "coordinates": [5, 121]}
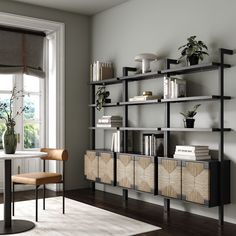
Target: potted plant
{"type": "Point", "coordinates": [188, 116]}
{"type": "Point", "coordinates": [102, 96]}
{"type": "Point", "coordinates": [193, 50]}
{"type": "Point", "coordinates": [6, 113]}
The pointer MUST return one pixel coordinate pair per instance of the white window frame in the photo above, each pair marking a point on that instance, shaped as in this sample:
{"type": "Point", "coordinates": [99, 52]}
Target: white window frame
{"type": "Point", "coordinates": [58, 29]}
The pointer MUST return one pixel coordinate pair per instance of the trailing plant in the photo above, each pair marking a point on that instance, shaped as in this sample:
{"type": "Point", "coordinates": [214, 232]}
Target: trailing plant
{"type": "Point", "coordinates": [194, 48]}
{"type": "Point", "coordinates": [190, 113]}
{"type": "Point", "coordinates": [101, 96]}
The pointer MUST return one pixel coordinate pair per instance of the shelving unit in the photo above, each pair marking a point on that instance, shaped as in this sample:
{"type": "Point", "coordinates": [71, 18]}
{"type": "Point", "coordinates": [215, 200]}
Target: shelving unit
{"type": "Point", "coordinates": [177, 70]}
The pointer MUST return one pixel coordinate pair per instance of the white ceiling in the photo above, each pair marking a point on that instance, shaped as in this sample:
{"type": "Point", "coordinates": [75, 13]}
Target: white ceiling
{"type": "Point", "coordinates": [88, 7]}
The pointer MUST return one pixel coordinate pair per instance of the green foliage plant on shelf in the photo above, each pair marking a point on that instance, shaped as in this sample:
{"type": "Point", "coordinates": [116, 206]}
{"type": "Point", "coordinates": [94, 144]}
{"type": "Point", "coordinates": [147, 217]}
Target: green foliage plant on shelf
{"type": "Point", "coordinates": [101, 97]}
{"type": "Point", "coordinates": [188, 116]}
{"type": "Point", "coordinates": [193, 50]}
{"type": "Point", "coordinates": [7, 114]}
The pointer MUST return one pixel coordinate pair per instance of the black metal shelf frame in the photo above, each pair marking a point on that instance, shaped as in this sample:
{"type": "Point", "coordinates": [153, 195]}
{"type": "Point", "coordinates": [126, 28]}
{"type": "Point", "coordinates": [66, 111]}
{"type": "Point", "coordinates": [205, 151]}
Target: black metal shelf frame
{"type": "Point", "coordinates": [161, 101]}
{"type": "Point", "coordinates": [167, 102]}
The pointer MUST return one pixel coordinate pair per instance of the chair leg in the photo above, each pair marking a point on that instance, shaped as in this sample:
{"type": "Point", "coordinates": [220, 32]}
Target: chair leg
{"type": "Point", "coordinates": [13, 199]}
{"type": "Point", "coordinates": [36, 203]}
{"type": "Point", "coordinates": [44, 193]}
{"type": "Point", "coordinates": [63, 198]}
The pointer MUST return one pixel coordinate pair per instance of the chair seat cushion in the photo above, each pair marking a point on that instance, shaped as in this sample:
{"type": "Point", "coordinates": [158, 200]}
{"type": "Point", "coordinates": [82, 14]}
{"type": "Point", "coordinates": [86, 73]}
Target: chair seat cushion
{"type": "Point", "coordinates": [37, 178]}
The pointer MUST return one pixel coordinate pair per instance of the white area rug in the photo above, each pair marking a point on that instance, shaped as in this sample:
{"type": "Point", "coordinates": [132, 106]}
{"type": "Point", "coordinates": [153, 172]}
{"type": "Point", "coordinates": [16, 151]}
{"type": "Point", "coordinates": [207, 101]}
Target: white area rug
{"type": "Point", "coordinates": [80, 219]}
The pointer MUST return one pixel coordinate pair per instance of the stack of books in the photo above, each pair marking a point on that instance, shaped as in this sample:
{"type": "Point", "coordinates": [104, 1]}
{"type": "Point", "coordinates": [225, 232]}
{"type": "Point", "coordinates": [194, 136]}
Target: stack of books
{"type": "Point", "coordinates": [110, 121]}
{"type": "Point", "coordinates": [174, 88]}
{"type": "Point", "coordinates": [153, 144]}
{"type": "Point", "coordinates": [191, 152]}
{"type": "Point", "coordinates": [101, 70]}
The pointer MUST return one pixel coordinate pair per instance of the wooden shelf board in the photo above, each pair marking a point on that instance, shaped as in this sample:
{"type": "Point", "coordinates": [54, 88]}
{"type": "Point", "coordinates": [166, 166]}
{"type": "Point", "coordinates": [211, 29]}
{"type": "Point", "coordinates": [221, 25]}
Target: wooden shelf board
{"type": "Point", "coordinates": [195, 129]}
{"type": "Point", "coordinates": [195, 98]}
{"type": "Point", "coordinates": [195, 68]}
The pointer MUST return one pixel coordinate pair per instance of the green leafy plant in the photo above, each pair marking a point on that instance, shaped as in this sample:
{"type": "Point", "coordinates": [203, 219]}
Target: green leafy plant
{"type": "Point", "coordinates": [190, 113]}
{"type": "Point", "coordinates": [101, 96]}
{"type": "Point", "coordinates": [194, 48]}
{"type": "Point", "coordinates": [6, 109]}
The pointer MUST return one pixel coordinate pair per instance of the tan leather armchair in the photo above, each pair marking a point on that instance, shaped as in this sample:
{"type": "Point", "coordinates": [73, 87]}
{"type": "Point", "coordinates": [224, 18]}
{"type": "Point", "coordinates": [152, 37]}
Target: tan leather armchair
{"type": "Point", "coordinates": [43, 178]}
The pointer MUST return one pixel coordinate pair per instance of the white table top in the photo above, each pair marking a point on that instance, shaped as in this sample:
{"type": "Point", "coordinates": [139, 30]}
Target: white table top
{"type": "Point", "coordinates": [21, 155]}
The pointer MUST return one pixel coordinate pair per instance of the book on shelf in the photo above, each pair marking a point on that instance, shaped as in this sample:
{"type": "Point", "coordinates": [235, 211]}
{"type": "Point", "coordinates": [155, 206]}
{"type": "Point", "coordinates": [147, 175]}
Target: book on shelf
{"type": "Point", "coordinates": [192, 152]}
{"type": "Point", "coordinates": [143, 98]}
{"type": "Point", "coordinates": [191, 148]}
{"type": "Point", "coordinates": [101, 70]}
{"type": "Point", "coordinates": [153, 144]}
{"type": "Point", "coordinates": [109, 125]}
{"type": "Point", "coordinates": [174, 87]}
{"type": "Point", "coordinates": [197, 154]}
{"type": "Point", "coordinates": [192, 158]}
{"type": "Point", "coordinates": [110, 121]}
{"type": "Point", "coordinates": [117, 141]}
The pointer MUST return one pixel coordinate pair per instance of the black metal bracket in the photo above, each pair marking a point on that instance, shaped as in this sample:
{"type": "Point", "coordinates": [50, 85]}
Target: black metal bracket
{"type": "Point", "coordinates": [126, 70]}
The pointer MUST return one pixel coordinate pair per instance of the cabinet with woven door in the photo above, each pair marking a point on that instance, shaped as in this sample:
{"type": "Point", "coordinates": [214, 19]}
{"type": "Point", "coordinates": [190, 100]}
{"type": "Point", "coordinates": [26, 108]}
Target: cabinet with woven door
{"type": "Point", "coordinates": [125, 170]}
{"type": "Point", "coordinates": [106, 168]}
{"type": "Point", "coordinates": [201, 182]}
{"type": "Point", "coordinates": [169, 177]}
{"type": "Point", "coordinates": [91, 165]}
{"type": "Point", "coordinates": [145, 173]}
{"type": "Point", "coordinates": [100, 166]}
{"type": "Point", "coordinates": [136, 172]}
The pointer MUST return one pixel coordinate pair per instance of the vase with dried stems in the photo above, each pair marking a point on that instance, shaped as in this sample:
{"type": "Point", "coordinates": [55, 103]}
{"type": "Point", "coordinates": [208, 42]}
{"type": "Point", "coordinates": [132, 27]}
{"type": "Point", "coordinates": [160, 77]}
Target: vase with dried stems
{"type": "Point", "coordinates": [9, 136]}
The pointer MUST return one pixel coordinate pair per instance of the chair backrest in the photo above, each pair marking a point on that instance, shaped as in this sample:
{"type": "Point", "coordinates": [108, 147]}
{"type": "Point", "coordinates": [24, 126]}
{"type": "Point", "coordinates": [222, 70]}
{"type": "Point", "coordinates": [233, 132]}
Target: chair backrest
{"type": "Point", "coordinates": [55, 154]}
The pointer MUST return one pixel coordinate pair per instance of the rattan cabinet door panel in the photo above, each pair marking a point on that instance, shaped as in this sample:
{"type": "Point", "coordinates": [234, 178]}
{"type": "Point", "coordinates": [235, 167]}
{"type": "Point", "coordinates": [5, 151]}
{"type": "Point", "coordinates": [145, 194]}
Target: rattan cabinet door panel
{"type": "Point", "coordinates": [169, 177]}
{"type": "Point", "coordinates": [91, 165]}
{"type": "Point", "coordinates": [125, 170]}
{"type": "Point", "coordinates": [196, 182]}
{"type": "Point", "coordinates": [145, 173]}
{"type": "Point", "coordinates": [106, 168]}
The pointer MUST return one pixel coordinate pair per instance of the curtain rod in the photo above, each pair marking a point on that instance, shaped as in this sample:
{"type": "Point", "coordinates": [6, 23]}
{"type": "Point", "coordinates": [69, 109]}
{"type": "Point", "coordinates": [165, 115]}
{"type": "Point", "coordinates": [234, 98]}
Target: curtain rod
{"type": "Point", "coordinates": [21, 30]}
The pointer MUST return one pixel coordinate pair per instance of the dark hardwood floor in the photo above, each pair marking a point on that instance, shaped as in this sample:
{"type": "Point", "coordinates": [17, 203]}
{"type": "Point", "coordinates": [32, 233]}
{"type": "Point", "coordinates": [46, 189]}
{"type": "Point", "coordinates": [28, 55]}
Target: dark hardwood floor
{"type": "Point", "coordinates": [179, 223]}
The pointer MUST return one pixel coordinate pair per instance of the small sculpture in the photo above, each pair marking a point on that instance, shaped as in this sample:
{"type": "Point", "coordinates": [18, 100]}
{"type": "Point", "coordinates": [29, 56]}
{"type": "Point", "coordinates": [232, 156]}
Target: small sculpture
{"type": "Point", "coordinates": [145, 58]}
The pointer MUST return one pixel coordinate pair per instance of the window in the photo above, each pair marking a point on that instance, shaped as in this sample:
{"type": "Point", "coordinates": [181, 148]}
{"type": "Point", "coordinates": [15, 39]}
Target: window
{"type": "Point", "coordinates": [29, 125]}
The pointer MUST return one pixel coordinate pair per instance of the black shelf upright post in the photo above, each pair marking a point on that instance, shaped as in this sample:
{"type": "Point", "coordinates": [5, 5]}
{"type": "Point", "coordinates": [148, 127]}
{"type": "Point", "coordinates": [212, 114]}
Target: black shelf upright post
{"type": "Point", "coordinates": [92, 120]}
{"type": "Point", "coordinates": [126, 99]}
{"type": "Point", "coordinates": [125, 118]}
{"type": "Point", "coordinates": [167, 138]}
{"type": "Point", "coordinates": [92, 117]}
{"type": "Point", "coordinates": [223, 52]}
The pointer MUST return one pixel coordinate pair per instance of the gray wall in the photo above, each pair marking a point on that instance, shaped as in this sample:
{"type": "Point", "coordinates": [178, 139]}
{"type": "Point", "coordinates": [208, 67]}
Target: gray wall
{"type": "Point", "coordinates": [77, 60]}
{"type": "Point", "coordinates": [161, 26]}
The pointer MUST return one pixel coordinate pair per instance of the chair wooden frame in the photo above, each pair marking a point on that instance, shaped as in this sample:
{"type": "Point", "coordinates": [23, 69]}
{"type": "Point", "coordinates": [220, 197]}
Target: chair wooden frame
{"type": "Point", "coordinates": [63, 158]}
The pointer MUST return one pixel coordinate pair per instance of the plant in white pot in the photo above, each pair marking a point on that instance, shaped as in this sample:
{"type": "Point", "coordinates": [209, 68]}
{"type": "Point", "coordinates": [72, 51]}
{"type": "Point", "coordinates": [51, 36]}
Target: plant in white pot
{"type": "Point", "coordinates": [188, 116]}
